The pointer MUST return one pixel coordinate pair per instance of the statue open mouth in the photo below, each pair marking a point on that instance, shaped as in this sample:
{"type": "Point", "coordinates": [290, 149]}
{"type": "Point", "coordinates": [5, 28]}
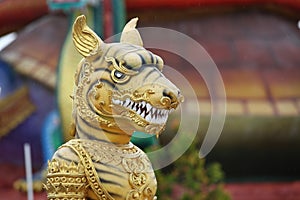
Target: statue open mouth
{"type": "Point", "coordinates": [145, 110]}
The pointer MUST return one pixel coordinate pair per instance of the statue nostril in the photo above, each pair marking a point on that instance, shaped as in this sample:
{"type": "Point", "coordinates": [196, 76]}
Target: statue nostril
{"type": "Point", "coordinates": [171, 95]}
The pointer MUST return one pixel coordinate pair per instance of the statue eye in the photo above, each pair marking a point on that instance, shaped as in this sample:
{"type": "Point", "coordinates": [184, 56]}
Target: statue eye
{"type": "Point", "coordinates": [119, 77]}
{"type": "Point", "coordinates": [118, 74]}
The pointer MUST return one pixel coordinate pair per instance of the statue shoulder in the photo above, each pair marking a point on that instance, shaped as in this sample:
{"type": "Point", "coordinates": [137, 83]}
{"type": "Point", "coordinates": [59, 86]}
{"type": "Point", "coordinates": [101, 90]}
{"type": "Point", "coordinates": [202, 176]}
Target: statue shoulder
{"type": "Point", "coordinates": [66, 153]}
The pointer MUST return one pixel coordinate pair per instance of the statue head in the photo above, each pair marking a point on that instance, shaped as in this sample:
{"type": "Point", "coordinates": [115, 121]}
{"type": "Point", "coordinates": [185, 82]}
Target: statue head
{"type": "Point", "coordinates": [119, 87]}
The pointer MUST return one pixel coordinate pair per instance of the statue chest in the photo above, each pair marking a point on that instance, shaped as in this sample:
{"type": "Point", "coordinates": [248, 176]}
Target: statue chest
{"type": "Point", "coordinates": [124, 171]}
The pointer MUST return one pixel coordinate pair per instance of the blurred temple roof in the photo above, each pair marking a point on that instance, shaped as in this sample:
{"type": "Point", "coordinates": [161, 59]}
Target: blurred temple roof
{"type": "Point", "coordinates": [35, 52]}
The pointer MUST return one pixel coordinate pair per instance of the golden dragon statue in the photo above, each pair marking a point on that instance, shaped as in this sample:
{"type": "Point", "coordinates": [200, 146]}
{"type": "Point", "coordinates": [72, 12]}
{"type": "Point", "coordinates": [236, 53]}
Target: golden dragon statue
{"type": "Point", "coordinates": [119, 88]}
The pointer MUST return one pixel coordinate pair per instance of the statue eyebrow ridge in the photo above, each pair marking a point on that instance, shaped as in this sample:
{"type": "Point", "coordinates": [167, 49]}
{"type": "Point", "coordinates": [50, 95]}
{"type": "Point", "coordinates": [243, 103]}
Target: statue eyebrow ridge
{"type": "Point", "coordinates": [120, 67]}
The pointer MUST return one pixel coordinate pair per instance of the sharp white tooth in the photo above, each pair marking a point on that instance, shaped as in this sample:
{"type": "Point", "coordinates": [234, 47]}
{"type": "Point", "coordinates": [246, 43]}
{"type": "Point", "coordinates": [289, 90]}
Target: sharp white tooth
{"type": "Point", "coordinates": [153, 110]}
{"type": "Point", "coordinates": [157, 120]}
{"type": "Point", "coordinates": [166, 118]}
{"type": "Point", "coordinates": [126, 102]}
{"type": "Point", "coordinates": [137, 106]}
{"type": "Point", "coordinates": [143, 115]}
{"type": "Point", "coordinates": [160, 112]}
{"type": "Point", "coordinates": [138, 111]}
{"type": "Point", "coordinates": [117, 101]}
{"type": "Point", "coordinates": [152, 120]}
{"type": "Point", "coordinates": [131, 103]}
{"type": "Point", "coordinates": [148, 107]}
{"type": "Point", "coordinates": [148, 118]}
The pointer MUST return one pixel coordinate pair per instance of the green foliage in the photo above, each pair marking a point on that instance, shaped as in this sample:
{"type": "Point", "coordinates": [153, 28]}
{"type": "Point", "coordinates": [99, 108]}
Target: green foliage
{"type": "Point", "coordinates": [193, 178]}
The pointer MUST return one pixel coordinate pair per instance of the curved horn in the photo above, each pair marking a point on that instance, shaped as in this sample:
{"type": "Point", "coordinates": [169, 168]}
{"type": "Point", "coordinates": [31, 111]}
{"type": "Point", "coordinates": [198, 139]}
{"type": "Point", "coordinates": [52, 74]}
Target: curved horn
{"type": "Point", "coordinates": [85, 39]}
{"type": "Point", "coordinates": [130, 34]}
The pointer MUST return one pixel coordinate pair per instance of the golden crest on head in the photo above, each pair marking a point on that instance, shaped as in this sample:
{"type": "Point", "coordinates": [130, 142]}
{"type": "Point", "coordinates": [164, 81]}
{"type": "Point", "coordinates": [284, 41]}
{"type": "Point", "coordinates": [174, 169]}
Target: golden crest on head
{"type": "Point", "coordinates": [85, 39]}
{"type": "Point", "coordinates": [130, 34]}
{"type": "Point", "coordinates": [88, 43]}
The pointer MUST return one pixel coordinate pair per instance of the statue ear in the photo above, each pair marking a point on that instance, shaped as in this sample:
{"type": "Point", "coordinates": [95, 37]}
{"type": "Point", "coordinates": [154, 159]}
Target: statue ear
{"type": "Point", "coordinates": [85, 39]}
{"type": "Point", "coordinates": [130, 34]}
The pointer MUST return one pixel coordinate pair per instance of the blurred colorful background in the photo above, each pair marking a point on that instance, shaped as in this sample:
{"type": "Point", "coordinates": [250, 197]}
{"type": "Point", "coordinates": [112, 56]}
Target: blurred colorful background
{"type": "Point", "coordinates": [255, 45]}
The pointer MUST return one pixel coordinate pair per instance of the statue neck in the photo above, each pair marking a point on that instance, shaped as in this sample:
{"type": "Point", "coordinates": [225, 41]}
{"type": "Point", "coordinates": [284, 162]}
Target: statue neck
{"type": "Point", "coordinates": [87, 131]}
